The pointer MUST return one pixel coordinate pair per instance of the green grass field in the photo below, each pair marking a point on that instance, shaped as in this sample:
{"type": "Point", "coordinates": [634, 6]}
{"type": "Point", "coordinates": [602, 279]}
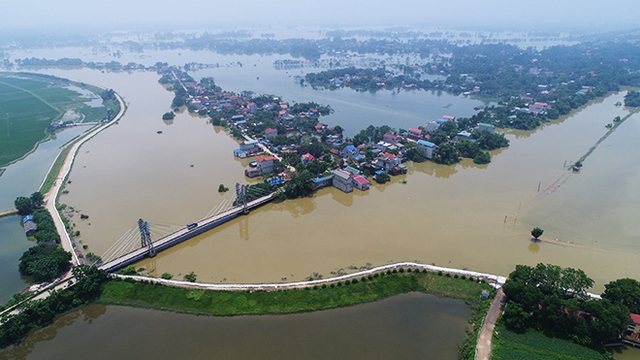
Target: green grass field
{"type": "Point", "coordinates": [534, 345]}
{"type": "Point", "coordinates": [227, 303]}
{"type": "Point", "coordinates": [29, 103]}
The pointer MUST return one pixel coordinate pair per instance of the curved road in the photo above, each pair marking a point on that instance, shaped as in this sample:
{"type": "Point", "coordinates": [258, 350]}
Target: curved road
{"type": "Point", "coordinates": [51, 196]}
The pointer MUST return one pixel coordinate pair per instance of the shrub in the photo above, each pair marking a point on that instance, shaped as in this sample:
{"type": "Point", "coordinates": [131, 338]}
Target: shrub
{"type": "Point", "coordinates": [324, 286]}
{"type": "Point", "coordinates": [424, 271]}
{"type": "Point", "coordinates": [166, 276]}
{"type": "Point", "coordinates": [455, 276]}
{"type": "Point", "coordinates": [471, 278]}
{"type": "Point", "coordinates": [463, 277]}
{"type": "Point", "coordinates": [315, 287]}
{"type": "Point", "coordinates": [440, 273]}
{"type": "Point", "coordinates": [129, 270]}
{"type": "Point", "coordinates": [375, 275]}
{"type": "Point", "coordinates": [395, 271]}
{"type": "Point", "coordinates": [339, 283]}
{"type": "Point", "coordinates": [190, 277]}
{"type": "Point", "coordinates": [354, 281]}
{"type": "Point", "coordinates": [409, 270]}
{"type": "Point", "coordinates": [348, 282]}
{"type": "Point", "coordinates": [363, 279]}
{"type": "Point", "coordinates": [332, 285]}
{"type": "Point", "coordinates": [389, 272]}
{"type": "Point", "coordinates": [447, 275]}
{"type": "Point", "coordinates": [401, 270]}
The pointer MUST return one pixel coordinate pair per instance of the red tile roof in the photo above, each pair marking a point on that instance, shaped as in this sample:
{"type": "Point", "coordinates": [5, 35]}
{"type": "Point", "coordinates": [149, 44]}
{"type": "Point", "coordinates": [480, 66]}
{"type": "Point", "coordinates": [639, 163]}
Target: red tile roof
{"type": "Point", "coordinates": [265, 158]}
{"type": "Point", "coordinates": [635, 318]}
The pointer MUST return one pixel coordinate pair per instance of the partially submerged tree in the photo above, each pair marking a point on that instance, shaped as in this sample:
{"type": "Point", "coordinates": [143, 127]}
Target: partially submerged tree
{"type": "Point", "coordinates": [536, 232]}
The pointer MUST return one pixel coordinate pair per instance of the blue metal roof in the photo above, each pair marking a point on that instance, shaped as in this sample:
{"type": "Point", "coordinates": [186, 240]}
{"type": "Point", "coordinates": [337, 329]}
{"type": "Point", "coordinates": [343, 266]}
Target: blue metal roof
{"type": "Point", "coordinates": [426, 143]}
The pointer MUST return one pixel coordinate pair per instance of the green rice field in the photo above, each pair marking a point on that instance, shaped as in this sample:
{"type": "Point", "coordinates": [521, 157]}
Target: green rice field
{"type": "Point", "coordinates": [29, 103]}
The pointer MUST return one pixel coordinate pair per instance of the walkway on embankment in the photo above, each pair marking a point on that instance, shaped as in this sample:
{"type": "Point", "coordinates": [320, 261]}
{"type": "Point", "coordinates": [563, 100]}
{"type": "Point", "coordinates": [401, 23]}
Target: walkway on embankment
{"type": "Point", "coordinates": [494, 280]}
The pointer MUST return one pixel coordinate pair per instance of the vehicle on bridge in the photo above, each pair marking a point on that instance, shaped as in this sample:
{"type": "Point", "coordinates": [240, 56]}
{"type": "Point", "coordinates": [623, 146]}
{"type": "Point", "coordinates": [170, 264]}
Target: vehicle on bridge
{"type": "Point", "coordinates": [191, 226]}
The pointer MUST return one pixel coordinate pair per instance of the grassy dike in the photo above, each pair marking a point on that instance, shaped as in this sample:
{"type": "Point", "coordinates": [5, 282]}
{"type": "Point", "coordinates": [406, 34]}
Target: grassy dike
{"type": "Point", "coordinates": [348, 293]}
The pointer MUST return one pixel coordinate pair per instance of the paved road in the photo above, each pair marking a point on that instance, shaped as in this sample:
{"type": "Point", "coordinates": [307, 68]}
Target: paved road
{"type": "Point", "coordinates": [483, 348]}
{"type": "Point", "coordinates": [52, 194]}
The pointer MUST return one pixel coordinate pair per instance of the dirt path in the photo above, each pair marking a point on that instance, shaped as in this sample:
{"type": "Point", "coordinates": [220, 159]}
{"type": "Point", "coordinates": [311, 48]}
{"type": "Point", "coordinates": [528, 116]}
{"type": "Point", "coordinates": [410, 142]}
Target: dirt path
{"type": "Point", "coordinates": [483, 348]}
{"type": "Point", "coordinates": [52, 194]}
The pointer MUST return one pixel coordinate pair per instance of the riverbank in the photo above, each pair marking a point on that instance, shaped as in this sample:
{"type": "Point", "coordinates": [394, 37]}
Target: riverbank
{"type": "Point", "coordinates": [62, 171]}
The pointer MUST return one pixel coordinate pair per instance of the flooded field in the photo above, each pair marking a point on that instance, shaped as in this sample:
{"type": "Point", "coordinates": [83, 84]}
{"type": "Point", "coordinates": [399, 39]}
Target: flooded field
{"type": "Point", "coordinates": [409, 326]}
{"type": "Point", "coordinates": [450, 216]}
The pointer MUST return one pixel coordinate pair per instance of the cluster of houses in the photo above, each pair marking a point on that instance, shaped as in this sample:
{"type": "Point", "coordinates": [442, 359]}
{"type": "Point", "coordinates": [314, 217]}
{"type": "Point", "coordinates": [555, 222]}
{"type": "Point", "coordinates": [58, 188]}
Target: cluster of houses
{"type": "Point", "coordinates": [388, 154]}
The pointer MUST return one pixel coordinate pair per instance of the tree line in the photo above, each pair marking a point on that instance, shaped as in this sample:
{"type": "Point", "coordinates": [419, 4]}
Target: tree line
{"type": "Point", "coordinates": [553, 299]}
{"type": "Point", "coordinates": [46, 260]}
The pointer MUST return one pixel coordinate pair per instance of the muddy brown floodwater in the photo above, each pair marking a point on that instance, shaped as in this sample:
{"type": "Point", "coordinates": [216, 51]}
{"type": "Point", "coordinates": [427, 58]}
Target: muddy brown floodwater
{"type": "Point", "coordinates": [463, 216]}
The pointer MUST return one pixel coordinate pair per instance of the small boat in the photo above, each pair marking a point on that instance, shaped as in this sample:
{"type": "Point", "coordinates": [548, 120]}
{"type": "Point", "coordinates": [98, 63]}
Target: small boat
{"type": "Point", "coordinates": [253, 164]}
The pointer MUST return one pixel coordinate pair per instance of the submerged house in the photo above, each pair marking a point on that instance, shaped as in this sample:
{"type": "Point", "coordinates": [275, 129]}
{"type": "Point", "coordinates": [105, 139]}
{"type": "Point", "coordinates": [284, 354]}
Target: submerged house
{"type": "Point", "coordinates": [342, 180]}
{"type": "Point", "coordinates": [426, 148]}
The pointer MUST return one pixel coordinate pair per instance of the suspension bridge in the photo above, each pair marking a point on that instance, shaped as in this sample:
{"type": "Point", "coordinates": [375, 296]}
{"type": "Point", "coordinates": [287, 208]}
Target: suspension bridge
{"type": "Point", "coordinates": [137, 243]}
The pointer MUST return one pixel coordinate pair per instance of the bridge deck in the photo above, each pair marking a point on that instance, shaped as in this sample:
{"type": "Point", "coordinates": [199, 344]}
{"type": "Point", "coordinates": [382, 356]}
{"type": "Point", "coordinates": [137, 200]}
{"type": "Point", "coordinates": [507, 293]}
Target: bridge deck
{"type": "Point", "coordinates": [181, 235]}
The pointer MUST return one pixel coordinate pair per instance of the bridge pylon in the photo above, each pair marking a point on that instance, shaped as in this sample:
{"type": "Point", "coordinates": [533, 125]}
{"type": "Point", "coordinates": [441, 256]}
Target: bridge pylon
{"type": "Point", "coordinates": [241, 197]}
{"type": "Point", "coordinates": [145, 237]}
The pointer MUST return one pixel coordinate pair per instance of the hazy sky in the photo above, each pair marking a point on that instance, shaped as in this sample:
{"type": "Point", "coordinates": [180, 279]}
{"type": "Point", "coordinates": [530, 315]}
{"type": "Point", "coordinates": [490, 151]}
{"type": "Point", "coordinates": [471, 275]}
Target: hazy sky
{"type": "Point", "coordinates": [127, 14]}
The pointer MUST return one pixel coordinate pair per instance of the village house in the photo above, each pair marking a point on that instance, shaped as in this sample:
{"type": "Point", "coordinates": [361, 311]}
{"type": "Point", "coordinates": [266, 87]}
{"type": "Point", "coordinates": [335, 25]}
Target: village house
{"type": "Point", "coordinates": [342, 180]}
{"type": "Point", "coordinates": [414, 133]}
{"type": "Point", "coordinates": [360, 182]}
{"type": "Point", "coordinates": [539, 107]}
{"type": "Point", "coordinates": [632, 334]}
{"type": "Point", "coordinates": [387, 161]}
{"type": "Point", "coordinates": [348, 152]}
{"type": "Point", "coordinates": [322, 182]}
{"type": "Point", "coordinates": [250, 146]}
{"type": "Point", "coordinates": [485, 127]}
{"type": "Point", "coordinates": [462, 135]}
{"type": "Point", "coordinates": [30, 227]}
{"type": "Point", "coordinates": [426, 148]}
{"type": "Point", "coordinates": [431, 126]}
{"type": "Point", "coordinates": [352, 170]}
{"type": "Point", "coordinates": [449, 117]}
{"type": "Point", "coordinates": [265, 163]}
{"type": "Point", "coordinates": [383, 146]}
{"type": "Point", "coordinates": [270, 133]}
{"type": "Point", "coordinates": [305, 158]}
{"type": "Point", "coordinates": [390, 138]}
{"type": "Point", "coordinates": [334, 140]}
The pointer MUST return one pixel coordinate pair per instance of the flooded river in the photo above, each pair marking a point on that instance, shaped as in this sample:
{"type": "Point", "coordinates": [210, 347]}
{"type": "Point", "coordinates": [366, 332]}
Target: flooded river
{"type": "Point", "coordinates": [409, 326]}
{"type": "Point", "coordinates": [463, 216]}
{"type": "Point", "coordinates": [451, 216]}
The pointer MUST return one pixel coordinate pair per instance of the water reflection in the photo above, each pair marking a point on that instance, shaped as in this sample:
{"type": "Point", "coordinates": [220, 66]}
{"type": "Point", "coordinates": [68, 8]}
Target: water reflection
{"type": "Point", "coordinates": [534, 247]}
{"type": "Point", "coordinates": [408, 326]}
